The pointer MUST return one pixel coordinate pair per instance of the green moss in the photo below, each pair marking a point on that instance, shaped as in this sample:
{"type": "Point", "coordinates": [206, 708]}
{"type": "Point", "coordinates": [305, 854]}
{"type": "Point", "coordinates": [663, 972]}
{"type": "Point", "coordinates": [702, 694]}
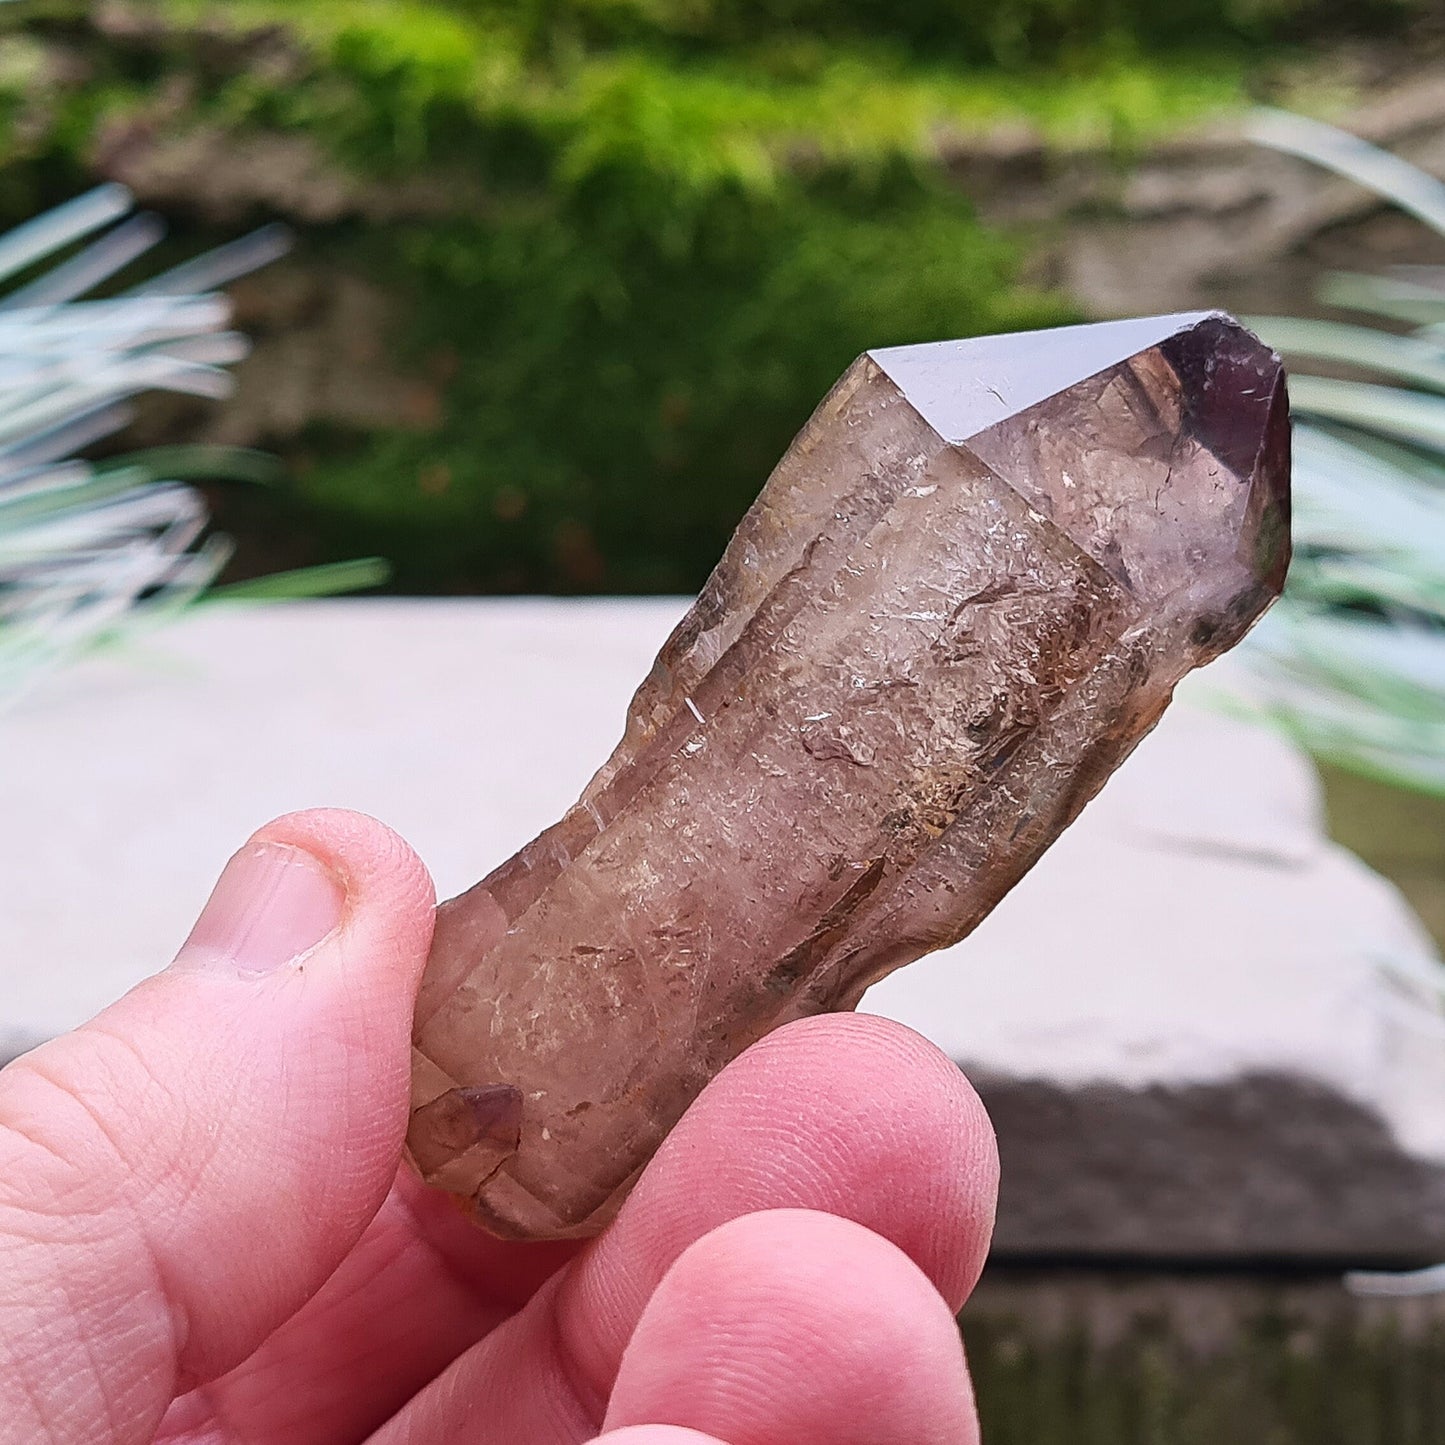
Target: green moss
{"type": "Point", "coordinates": [616, 410]}
{"type": "Point", "coordinates": [670, 265]}
{"type": "Point", "coordinates": [976, 32]}
{"type": "Point", "coordinates": [395, 84]}
{"type": "Point", "coordinates": [993, 31]}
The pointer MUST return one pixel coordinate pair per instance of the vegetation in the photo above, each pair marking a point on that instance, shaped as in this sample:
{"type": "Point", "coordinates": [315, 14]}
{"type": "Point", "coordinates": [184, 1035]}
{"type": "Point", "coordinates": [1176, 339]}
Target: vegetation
{"type": "Point", "coordinates": [89, 551]}
{"type": "Point", "coordinates": [1352, 661]}
{"type": "Point", "coordinates": [656, 229]}
{"type": "Point", "coordinates": [1286, 1365]}
{"type": "Point", "coordinates": [1010, 33]}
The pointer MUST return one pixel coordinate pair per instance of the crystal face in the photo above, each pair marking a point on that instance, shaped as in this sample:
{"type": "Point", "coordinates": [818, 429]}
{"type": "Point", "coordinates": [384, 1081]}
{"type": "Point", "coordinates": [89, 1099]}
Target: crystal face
{"type": "Point", "coordinates": [964, 595]}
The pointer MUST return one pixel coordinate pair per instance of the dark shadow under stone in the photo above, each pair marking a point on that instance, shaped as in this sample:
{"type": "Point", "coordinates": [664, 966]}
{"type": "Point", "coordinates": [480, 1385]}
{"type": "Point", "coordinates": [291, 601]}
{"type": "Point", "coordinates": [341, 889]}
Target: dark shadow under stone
{"type": "Point", "coordinates": [1262, 1168]}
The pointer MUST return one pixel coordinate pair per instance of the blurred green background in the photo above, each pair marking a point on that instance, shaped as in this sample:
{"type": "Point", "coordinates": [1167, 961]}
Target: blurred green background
{"type": "Point", "coordinates": [570, 273]}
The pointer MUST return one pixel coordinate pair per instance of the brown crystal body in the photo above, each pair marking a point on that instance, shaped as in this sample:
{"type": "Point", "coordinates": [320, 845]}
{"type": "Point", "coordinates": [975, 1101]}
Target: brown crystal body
{"type": "Point", "coordinates": [965, 594]}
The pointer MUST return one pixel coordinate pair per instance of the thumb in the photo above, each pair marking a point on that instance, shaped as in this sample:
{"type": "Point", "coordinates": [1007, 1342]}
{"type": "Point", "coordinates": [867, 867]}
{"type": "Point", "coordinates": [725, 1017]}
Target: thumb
{"type": "Point", "coordinates": [178, 1176]}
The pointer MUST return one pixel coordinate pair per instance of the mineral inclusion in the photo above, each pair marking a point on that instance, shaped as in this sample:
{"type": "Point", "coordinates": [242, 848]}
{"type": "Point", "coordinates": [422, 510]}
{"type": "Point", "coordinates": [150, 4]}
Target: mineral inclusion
{"type": "Point", "coordinates": [965, 594]}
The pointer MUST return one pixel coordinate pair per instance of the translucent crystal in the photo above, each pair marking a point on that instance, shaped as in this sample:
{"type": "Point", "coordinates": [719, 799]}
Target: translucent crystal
{"type": "Point", "coordinates": [964, 595]}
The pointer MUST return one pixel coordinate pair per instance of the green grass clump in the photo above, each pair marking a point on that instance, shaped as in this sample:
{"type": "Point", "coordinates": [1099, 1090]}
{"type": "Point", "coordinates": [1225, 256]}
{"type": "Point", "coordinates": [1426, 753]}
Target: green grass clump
{"type": "Point", "coordinates": [91, 552]}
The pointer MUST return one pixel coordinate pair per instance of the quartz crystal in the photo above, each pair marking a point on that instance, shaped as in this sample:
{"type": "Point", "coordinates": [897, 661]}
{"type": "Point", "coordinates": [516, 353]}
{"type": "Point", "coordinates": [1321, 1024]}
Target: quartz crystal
{"type": "Point", "coordinates": [965, 594]}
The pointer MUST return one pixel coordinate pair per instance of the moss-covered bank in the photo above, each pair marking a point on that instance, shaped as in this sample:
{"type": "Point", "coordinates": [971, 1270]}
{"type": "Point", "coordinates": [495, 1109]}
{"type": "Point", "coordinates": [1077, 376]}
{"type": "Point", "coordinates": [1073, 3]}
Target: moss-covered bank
{"type": "Point", "coordinates": [626, 244]}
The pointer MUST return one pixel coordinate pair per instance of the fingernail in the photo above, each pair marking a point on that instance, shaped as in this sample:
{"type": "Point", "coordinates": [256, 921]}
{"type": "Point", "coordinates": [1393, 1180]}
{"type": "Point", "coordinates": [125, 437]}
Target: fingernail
{"type": "Point", "coordinates": [272, 904]}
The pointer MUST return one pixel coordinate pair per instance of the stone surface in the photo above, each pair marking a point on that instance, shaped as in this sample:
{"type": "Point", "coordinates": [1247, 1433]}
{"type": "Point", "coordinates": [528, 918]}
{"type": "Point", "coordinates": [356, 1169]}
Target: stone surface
{"type": "Point", "coordinates": [967, 591]}
{"type": "Point", "coordinates": [1192, 935]}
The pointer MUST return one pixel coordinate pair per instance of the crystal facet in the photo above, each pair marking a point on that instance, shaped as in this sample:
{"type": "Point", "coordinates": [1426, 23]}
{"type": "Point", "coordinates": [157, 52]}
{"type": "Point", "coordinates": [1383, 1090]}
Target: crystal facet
{"type": "Point", "coordinates": [964, 595]}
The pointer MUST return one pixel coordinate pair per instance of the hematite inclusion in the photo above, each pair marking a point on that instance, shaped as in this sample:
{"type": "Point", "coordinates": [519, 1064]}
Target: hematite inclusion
{"type": "Point", "coordinates": [965, 594]}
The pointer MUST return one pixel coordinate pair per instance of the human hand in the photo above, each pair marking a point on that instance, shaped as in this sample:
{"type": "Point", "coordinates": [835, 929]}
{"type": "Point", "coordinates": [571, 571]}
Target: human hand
{"type": "Point", "coordinates": [205, 1235]}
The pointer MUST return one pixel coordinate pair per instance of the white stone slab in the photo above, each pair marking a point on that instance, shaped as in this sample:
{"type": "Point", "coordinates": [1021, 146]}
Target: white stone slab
{"type": "Point", "coordinates": [1194, 928]}
{"type": "Point", "coordinates": [127, 783]}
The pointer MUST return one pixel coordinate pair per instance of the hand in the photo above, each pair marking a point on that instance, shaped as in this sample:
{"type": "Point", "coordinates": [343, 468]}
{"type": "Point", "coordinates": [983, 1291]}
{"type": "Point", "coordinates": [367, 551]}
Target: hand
{"type": "Point", "coordinates": [205, 1235]}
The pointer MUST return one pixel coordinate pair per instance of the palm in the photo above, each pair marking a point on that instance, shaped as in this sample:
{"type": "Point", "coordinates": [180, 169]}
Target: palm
{"type": "Point", "coordinates": [421, 1287]}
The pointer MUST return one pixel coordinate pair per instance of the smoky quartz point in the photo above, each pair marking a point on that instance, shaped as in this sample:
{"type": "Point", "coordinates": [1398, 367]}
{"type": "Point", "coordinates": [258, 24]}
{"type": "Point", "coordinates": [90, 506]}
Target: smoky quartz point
{"type": "Point", "coordinates": [965, 594]}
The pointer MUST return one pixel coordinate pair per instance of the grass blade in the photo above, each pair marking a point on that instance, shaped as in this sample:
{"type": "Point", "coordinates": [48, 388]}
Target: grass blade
{"type": "Point", "coordinates": [1348, 155]}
